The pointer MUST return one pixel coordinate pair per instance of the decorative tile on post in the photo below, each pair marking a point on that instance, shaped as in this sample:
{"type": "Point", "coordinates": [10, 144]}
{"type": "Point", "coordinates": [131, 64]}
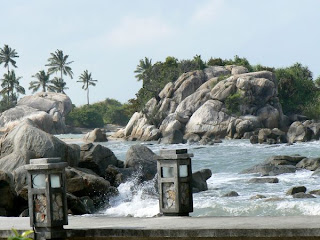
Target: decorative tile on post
{"type": "Point", "coordinates": [174, 179]}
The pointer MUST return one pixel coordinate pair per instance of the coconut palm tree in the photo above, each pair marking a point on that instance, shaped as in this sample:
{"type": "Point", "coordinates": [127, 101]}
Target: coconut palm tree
{"type": "Point", "coordinates": [58, 85]}
{"type": "Point", "coordinates": [86, 79]}
{"type": "Point", "coordinates": [144, 70]}
{"type": "Point", "coordinates": [7, 54]}
{"type": "Point", "coordinates": [10, 83]}
{"type": "Point", "coordinates": [43, 80]}
{"type": "Point", "coordinates": [58, 63]}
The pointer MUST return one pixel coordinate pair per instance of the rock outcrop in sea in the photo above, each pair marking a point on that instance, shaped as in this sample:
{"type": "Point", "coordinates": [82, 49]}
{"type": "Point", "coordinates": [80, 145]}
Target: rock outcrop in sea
{"type": "Point", "coordinates": [217, 102]}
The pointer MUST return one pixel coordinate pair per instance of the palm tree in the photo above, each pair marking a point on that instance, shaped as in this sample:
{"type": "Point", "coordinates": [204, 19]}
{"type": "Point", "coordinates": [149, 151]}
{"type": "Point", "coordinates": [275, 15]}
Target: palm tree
{"type": "Point", "coordinates": [10, 83]}
{"type": "Point", "coordinates": [87, 80]}
{"type": "Point", "coordinates": [144, 70]}
{"type": "Point", "coordinates": [6, 56]}
{"type": "Point", "coordinates": [58, 62]}
{"type": "Point", "coordinates": [43, 80]}
{"type": "Point", "coordinates": [58, 85]}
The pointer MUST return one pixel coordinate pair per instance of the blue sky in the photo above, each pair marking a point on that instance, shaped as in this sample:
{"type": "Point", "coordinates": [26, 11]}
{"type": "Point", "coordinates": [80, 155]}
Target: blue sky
{"type": "Point", "coordinates": [110, 37]}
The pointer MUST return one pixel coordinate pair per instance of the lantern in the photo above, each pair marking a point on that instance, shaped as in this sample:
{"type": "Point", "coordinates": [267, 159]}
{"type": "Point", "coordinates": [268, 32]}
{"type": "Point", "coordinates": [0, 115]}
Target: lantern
{"type": "Point", "coordinates": [47, 196]}
{"type": "Point", "coordinates": [174, 179]}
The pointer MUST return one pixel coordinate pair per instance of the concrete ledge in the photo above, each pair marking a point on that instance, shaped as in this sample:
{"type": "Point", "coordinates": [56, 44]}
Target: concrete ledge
{"type": "Point", "coordinates": [219, 228]}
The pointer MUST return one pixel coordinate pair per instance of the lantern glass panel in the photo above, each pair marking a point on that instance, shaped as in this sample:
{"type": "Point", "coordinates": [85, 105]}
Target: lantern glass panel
{"type": "Point", "coordinates": [167, 172]}
{"type": "Point", "coordinates": [55, 180]}
{"type": "Point", "coordinates": [39, 181]}
{"type": "Point", "coordinates": [183, 171]}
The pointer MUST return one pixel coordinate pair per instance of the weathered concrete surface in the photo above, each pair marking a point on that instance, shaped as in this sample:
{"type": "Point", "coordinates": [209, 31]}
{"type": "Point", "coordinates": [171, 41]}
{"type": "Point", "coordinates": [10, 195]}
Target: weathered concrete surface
{"type": "Point", "coordinates": [101, 227]}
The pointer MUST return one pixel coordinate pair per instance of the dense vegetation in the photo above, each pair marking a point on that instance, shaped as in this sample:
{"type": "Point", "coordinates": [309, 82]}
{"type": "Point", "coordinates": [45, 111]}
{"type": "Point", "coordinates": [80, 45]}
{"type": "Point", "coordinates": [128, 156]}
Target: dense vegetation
{"type": "Point", "coordinates": [98, 114]}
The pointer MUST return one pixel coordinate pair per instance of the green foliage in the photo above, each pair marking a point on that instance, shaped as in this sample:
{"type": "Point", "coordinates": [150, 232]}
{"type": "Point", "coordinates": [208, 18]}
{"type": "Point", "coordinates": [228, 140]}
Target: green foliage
{"type": "Point", "coordinates": [23, 236]}
{"type": "Point", "coordinates": [85, 116]}
{"type": "Point", "coordinates": [7, 55]}
{"type": "Point", "coordinates": [42, 80]}
{"type": "Point", "coordinates": [233, 103]}
{"type": "Point", "coordinates": [317, 82]}
{"type": "Point", "coordinates": [235, 61]}
{"type": "Point", "coordinates": [296, 88]}
{"type": "Point", "coordinates": [98, 114]}
{"type": "Point", "coordinates": [216, 62]}
{"type": "Point", "coordinates": [259, 67]}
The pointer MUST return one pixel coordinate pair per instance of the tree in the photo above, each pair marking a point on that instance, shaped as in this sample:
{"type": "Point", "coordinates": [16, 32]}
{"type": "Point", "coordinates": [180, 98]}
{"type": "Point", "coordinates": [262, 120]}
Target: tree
{"type": "Point", "coordinates": [58, 85]}
{"type": "Point", "coordinates": [7, 55]}
{"type": "Point", "coordinates": [200, 64]}
{"type": "Point", "coordinates": [144, 70]}
{"type": "Point", "coordinates": [86, 79]}
{"type": "Point", "coordinates": [58, 63]}
{"type": "Point", "coordinates": [296, 88]}
{"type": "Point", "coordinates": [10, 83]}
{"type": "Point", "coordinates": [43, 80]}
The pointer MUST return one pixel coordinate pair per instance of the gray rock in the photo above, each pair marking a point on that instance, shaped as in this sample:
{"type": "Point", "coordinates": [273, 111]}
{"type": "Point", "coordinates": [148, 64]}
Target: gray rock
{"type": "Point", "coordinates": [26, 141]}
{"type": "Point", "coordinates": [80, 206]}
{"type": "Point", "coordinates": [46, 101]}
{"type": "Point", "coordinates": [173, 137]}
{"type": "Point", "coordinates": [315, 192]}
{"type": "Point", "coordinates": [298, 189]}
{"type": "Point", "coordinates": [97, 158]}
{"type": "Point", "coordinates": [83, 182]}
{"type": "Point", "coordinates": [96, 135]}
{"type": "Point", "coordinates": [142, 159]}
{"type": "Point", "coordinates": [199, 180]}
{"type": "Point", "coordinates": [239, 70]}
{"type": "Point", "coordinates": [258, 196]}
{"type": "Point", "coordinates": [266, 169]}
{"type": "Point", "coordinates": [264, 180]}
{"type": "Point", "coordinates": [299, 133]}
{"type": "Point", "coordinates": [231, 194]}
{"type": "Point", "coordinates": [309, 163]}
{"type": "Point", "coordinates": [7, 194]}
{"type": "Point", "coordinates": [302, 195]}
{"type": "Point", "coordinates": [210, 117]}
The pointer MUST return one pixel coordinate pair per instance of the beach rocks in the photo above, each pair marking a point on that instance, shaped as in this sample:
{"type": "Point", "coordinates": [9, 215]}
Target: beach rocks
{"type": "Point", "coordinates": [298, 189]}
{"type": "Point", "coordinates": [199, 180]}
{"type": "Point", "coordinates": [263, 180]}
{"type": "Point", "coordinates": [26, 141]}
{"type": "Point", "coordinates": [299, 133]}
{"type": "Point", "coordinates": [96, 135]}
{"type": "Point", "coordinates": [231, 194]}
{"type": "Point", "coordinates": [220, 101]}
{"type": "Point", "coordinates": [303, 195]}
{"type": "Point", "coordinates": [97, 158]}
{"type": "Point", "coordinates": [142, 160]}
{"type": "Point", "coordinates": [47, 110]}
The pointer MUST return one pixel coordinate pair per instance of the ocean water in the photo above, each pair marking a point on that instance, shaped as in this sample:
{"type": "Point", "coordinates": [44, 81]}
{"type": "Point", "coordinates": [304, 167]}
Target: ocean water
{"type": "Point", "coordinates": [226, 160]}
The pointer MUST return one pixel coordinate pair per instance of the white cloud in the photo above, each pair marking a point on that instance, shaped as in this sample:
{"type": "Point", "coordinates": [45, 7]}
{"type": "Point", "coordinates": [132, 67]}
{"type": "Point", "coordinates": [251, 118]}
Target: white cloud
{"type": "Point", "coordinates": [208, 12]}
{"type": "Point", "coordinates": [139, 31]}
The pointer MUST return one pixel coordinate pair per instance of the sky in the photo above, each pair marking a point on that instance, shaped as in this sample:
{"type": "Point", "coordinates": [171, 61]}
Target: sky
{"type": "Point", "coordinates": [108, 37]}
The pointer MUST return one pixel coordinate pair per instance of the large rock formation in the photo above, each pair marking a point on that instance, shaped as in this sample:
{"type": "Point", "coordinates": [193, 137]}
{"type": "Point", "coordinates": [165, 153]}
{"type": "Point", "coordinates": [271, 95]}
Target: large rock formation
{"type": "Point", "coordinates": [46, 109]}
{"type": "Point", "coordinates": [214, 103]}
{"type": "Point", "coordinates": [26, 141]}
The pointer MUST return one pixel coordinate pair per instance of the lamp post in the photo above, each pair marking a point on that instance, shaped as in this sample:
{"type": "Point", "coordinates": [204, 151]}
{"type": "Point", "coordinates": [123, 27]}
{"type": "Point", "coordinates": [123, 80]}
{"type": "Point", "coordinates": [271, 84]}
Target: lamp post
{"type": "Point", "coordinates": [174, 179]}
{"type": "Point", "coordinates": [47, 197]}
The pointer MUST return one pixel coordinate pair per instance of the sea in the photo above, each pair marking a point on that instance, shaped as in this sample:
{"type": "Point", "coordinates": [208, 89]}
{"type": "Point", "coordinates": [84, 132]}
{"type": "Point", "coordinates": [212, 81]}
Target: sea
{"type": "Point", "coordinates": [226, 160]}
